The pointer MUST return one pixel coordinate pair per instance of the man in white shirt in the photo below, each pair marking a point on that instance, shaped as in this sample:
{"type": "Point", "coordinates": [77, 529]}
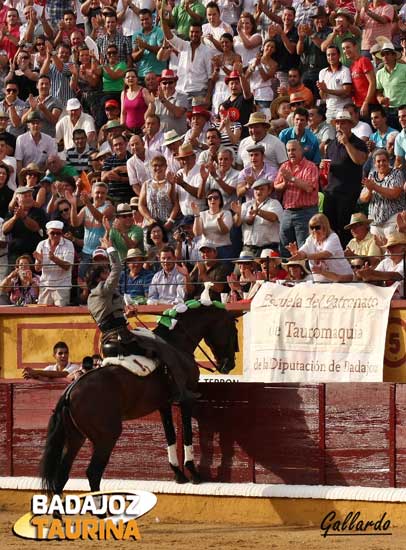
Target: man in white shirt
{"type": "Point", "coordinates": [335, 83]}
{"type": "Point", "coordinates": [137, 168]}
{"type": "Point", "coordinates": [189, 181]}
{"type": "Point", "coordinates": [75, 119]}
{"type": "Point", "coordinates": [34, 145]}
{"type": "Point", "coordinates": [260, 219]}
{"type": "Point", "coordinates": [274, 149]}
{"type": "Point", "coordinates": [361, 129]}
{"type": "Point", "coordinates": [194, 66]}
{"type": "Point", "coordinates": [215, 28]}
{"type": "Point", "coordinates": [167, 286]}
{"type": "Point", "coordinates": [62, 367]}
{"type": "Point", "coordinates": [54, 256]}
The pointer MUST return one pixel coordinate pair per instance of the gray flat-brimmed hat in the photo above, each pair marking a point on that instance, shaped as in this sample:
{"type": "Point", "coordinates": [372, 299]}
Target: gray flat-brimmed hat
{"type": "Point", "coordinates": [23, 189]}
{"type": "Point", "coordinates": [260, 183]}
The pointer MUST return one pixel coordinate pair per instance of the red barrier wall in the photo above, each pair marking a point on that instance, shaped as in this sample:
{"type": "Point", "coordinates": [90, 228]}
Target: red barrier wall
{"type": "Point", "coordinates": [294, 434]}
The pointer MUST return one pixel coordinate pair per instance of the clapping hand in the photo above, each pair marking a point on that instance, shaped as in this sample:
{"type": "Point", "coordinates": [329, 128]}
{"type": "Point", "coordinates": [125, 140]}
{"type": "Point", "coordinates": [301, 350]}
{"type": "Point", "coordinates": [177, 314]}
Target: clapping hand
{"type": "Point", "coordinates": [236, 207]}
{"type": "Point", "coordinates": [195, 208]}
{"type": "Point", "coordinates": [292, 247]}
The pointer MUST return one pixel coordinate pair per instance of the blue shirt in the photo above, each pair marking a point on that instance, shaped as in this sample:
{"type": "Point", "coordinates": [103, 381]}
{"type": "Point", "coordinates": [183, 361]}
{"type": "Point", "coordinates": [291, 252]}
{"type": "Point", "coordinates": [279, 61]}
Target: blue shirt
{"type": "Point", "coordinates": [400, 144]}
{"type": "Point", "coordinates": [308, 141]}
{"type": "Point", "coordinates": [136, 286]}
{"type": "Point", "coordinates": [167, 288]}
{"type": "Point", "coordinates": [148, 62]}
{"type": "Point", "coordinates": [380, 141]}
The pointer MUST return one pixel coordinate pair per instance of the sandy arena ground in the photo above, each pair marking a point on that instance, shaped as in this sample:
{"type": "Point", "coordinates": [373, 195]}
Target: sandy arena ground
{"type": "Point", "coordinates": [158, 534]}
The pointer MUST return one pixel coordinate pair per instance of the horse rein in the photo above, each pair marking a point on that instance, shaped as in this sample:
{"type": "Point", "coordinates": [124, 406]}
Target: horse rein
{"type": "Point", "coordinates": [198, 345]}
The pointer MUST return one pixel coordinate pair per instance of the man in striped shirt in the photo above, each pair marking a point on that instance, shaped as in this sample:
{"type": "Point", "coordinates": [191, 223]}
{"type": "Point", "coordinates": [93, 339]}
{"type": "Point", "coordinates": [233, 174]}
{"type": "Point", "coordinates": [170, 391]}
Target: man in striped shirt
{"type": "Point", "coordinates": [298, 179]}
{"type": "Point", "coordinates": [78, 156]}
{"type": "Point", "coordinates": [58, 68]}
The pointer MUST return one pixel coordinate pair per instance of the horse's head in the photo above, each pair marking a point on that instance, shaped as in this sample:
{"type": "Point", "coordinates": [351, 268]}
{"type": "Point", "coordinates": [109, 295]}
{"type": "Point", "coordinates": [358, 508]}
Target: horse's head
{"type": "Point", "coordinates": [222, 338]}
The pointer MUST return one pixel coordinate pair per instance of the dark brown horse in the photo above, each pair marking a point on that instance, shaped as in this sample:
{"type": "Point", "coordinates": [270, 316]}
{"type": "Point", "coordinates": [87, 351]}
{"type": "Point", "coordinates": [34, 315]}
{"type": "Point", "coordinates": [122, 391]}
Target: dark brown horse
{"type": "Point", "coordinates": [95, 406]}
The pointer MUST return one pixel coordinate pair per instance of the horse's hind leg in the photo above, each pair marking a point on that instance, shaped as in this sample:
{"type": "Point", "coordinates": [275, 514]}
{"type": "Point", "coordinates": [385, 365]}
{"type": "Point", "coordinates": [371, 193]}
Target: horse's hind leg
{"type": "Point", "coordinates": [170, 434]}
{"type": "Point", "coordinates": [103, 445]}
{"type": "Point", "coordinates": [186, 411]}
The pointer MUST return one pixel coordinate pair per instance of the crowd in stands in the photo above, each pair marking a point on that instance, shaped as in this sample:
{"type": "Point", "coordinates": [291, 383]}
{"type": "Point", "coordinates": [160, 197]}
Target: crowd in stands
{"type": "Point", "coordinates": [228, 141]}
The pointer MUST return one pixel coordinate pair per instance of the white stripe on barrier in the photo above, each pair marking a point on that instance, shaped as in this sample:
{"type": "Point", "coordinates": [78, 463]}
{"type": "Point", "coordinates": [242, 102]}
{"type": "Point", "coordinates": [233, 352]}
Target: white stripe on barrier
{"type": "Point", "coordinates": [224, 489]}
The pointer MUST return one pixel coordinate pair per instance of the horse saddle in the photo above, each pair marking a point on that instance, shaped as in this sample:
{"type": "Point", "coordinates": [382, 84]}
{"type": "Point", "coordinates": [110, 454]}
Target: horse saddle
{"type": "Point", "coordinates": [137, 364]}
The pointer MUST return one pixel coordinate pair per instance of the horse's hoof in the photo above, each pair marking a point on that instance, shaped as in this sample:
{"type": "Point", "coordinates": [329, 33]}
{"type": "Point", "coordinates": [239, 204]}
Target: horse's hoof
{"type": "Point", "coordinates": [181, 478]}
{"type": "Point", "coordinates": [195, 477]}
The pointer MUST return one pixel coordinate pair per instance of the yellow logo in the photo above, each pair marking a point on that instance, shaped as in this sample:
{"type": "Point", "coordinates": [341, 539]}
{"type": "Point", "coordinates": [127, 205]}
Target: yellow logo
{"type": "Point", "coordinates": [113, 515]}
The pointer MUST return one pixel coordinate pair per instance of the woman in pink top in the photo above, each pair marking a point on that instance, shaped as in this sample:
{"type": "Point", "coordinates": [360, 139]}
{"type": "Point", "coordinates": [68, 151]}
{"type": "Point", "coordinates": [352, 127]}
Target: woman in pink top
{"type": "Point", "coordinates": [134, 102]}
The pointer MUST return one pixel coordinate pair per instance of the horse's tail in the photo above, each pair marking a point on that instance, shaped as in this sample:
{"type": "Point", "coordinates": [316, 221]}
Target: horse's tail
{"type": "Point", "coordinates": [52, 455]}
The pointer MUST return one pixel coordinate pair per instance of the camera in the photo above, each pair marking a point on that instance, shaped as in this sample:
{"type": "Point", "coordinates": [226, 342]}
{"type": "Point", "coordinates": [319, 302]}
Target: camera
{"type": "Point", "coordinates": [183, 235]}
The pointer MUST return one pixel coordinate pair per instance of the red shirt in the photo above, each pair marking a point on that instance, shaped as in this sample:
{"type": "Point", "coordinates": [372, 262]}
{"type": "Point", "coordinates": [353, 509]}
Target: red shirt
{"type": "Point", "coordinates": [293, 197]}
{"type": "Point", "coordinates": [360, 82]}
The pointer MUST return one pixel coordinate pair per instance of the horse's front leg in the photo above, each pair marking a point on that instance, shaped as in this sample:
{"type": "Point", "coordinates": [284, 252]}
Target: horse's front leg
{"type": "Point", "coordinates": [186, 411]}
{"type": "Point", "coordinates": [170, 434]}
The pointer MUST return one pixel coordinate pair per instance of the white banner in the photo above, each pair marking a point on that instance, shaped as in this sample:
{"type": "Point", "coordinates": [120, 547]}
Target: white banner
{"type": "Point", "coordinates": [317, 333]}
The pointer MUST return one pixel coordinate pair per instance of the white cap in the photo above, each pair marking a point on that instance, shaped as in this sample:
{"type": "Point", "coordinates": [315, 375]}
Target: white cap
{"type": "Point", "coordinates": [343, 115]}
{"type": "Point", "coordinates": [55, 224]}
{"type": "Point", "coordinates": [73, 104]}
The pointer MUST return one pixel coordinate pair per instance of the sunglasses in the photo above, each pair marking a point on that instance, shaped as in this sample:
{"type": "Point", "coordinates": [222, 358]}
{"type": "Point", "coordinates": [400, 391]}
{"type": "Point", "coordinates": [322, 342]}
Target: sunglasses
{"type": "Point", "coordinates": [315, 227]}
{"type": "Point", "coordinates": [32, 173]}
{"type": "Point", "coordinates": [11, 90]}
{"type": "Point", "coordinates": [213, 198]}
{"type": "Point", "coordinates": [167, 82]}
{"type": "Point", "coordinates": [356, 266]}
{"type": "Point", "coordinates": [53, 233]}
{"type": "Point", "coordinates": [40, 43]}
{"type": "Point", "coordinates": [64, 210]}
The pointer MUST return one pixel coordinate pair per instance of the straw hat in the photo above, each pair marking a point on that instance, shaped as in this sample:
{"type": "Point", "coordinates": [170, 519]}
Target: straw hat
{"type": "Point", "coordinates": [135, 253]}
{"type": "Point", "coordinates": [257, 118]}
{"type": "Point", "coordinates": [388, 47]}
{"type": "Point", "coordinates": [31, 167]}
{"type": "Point", "coordinates": [172, 136]}
{"type": "Point", "coordinates": [302, 264]}
{"type": "Point", "coordinates": [395, 239]}
{"type": "Point", "coordinates": [359, 217]}
{"type": "Point", "coordinates": [185, 150]}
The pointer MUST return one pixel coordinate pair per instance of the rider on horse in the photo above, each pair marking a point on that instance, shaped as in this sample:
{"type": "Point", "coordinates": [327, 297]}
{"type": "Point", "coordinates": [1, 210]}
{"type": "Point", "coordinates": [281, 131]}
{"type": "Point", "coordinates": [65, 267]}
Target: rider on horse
{"type": "Point", "coordinates": [106, 305]}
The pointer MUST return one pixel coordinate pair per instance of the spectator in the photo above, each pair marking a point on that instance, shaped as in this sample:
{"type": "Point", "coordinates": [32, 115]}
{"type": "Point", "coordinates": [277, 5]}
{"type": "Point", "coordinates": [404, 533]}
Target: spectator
{"type": "Point", "coordinates": [199, 118]}
{"type": "Point", "coordinates": [73, 234]}
{"type": "Point", "coordinates": [114, 171]}
{"type": "Point", "coordinates": [34, 146]}
{"type": "Point", "coordinates": [213, 146]}
{"type": "Point", "coordinates": [391, 268]}
{"type": "Point", "coordinates": [222, 65]}
{"type": "Point", "coordinates": [31, 176]}
{"type": "Point", "coordinates": [270, 263]}
{"type": "Point", "coordinates": [170, 105]}
{"type": "Point", "coordinates": [274, 149]}
{"type": "Point", "coordinates": [347, 154]}
{"type": "Point", "coordinates": [209, 269]}
{"type": "Point", "coordinates": [390, 78]}
{"type": "Point", "coordinates": [124, 234]}
{"type": "Point", "coordinates": [23, 226]}
{"type": "Point", "coordinates": [215, 28]}
{"type": "Point", "coordinates": [11, 33]}
{"type": "Point", "coordinates": [58, 67]}
{"type": "Point", "coordinates": [116, 37]}
{"type": "Point", "coordinates": [309, 48]}
{"type": "Point", "coordinates": [380, 125]}
{"type": "Point", "coordinates": [75, 119]}
{"type": "Point", "coordinates": [158, 198]}
{"type": "Point", "coordinates": [153, 136]}
{"type": "Point", "coordinates": [172, 142]}
{"type": "Point", "coordinates": [6, 194]}
{"type": "Point", "coordinates": [112, 73]}
{"type": "Point", "coordinates": [14, 108]}
{"type": "Point", "coordinates": [189, 181]}
{"type": "Point", "coordinates": [334, 83]}
{"type": "Point", "coordinates": [323, 131]}
{"type": "Point", "coordinates": [242, 286]}
{"type": "Point", "coordinates": [362, 76]}
{"type": "Point", "coordinates": [186, 15]}
{"type": "Point", "coordinates": [157, 240]}
{"type": "Point", "coordinates": [9, 138]}
{"type": "Point", "coordinates": [187, 245]}
{"type": "Point", "coordinates": [49, 106]}
{"type": "Point", "coordinates": [146, 44]}
{"type": "Point", "coordinates": [194, 66]}
{"type": "Point", "coordinates": [375, 19]}
{"type": "Point", "coordinates": [247, 42]}
{"type": "Point", "coordinates": [61, 369]}
{"type": "Point", "coordinates": [323, 251]}
{"type": "Point", "coordinates": [134, 282]}
{"type": "Point", "coordinates": [87, 366]}
{"type": "Point", "coordinates": [214, 223]}
{"type": "Point", "coordinates": [344, 28]}
{"type": "Point", "coordinates": [112, 111]}
{"type": "Point", "coordinates": [258, 168]}
{"type": "Point", "coordinates": [286, 38]}
{"type": "Point", "coordinates": [361, 129]}
{"type": "Point", "coordinates": [261, 72]}
{"type": "Point", "coordinates": [21, 285]}
{"type": "Point", "coordinates": [241, 99]}
{"type": "Point", "coordinates": [296, 86]}
{"type": "Point", "coordinates": [58, 169]}
{"type": "Point", "coordinates": [362, 243]}
{"type": "Point", "coordinates": [137, 169]}
{"type": "Point", "coordinates": [297, 272]}
{"type": "Point", "coordinates": [91, 217]}
{"type": "Point", "coordinates": [167, 286]}
{"type": "Point", "coordinates": [385, 194]}
{"type": "Point", "coordinates": [54, 257]}
{"type": "Point", "coordinates": [79, 156]}
{"type": "Point", "coordinates": [222, 177]}
{"type": "Point", "coordinates": [259, 218]}
{"type": "Point", "coordinates": [301, 133]}
{"type": "Point", "coordinates": [400, 141]}
{"type": "Point", "coordinates": [297, 179]}
{"type": "Point", "coordinates": [23, 75]}
{"type": "Point", "coordinates": [134, 102]}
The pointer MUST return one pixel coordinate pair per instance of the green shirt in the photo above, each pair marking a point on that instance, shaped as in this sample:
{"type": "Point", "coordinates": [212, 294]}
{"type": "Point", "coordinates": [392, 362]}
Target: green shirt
{"type": "Point", "coordinates": [148, 62]}
{"type": "Point", "coordinates": [67, 171]}
{"type": "Point", "coordinates": [117, 84]}
{"type": "Point", "coordinates": [183, 20]}
{"type": "Point", "coordinates": [393, 85]}
{"type": "Point", "coordinates": [338, 41]}
{"type": "Point", "coordinates": [135, 233]}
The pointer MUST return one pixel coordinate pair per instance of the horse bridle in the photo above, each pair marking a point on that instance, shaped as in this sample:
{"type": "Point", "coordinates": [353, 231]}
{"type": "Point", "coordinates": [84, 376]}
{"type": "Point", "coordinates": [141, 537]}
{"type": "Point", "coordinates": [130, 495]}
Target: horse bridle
{"type": "Point", "coordinates": [189, 338]}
